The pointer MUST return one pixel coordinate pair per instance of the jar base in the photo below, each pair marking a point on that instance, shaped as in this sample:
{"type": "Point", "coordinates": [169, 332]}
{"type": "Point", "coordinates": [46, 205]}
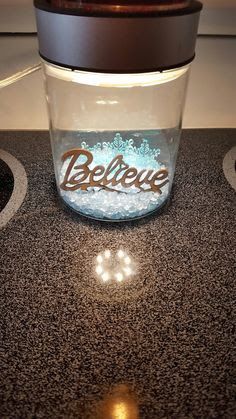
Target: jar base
{"type": "Point", "coordinates": [156, 211]}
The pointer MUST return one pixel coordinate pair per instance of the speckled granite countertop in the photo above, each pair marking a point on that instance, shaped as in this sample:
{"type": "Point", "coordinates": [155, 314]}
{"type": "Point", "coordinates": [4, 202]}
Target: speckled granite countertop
{"type": "Point", "coordinates": [160, 345]}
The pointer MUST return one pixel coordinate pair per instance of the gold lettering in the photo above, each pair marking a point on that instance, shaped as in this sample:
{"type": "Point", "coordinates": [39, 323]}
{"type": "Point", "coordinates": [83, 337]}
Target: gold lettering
{"type": "Point", "coordinates": [139, 182]}
{"type": "Point", "coordinates": [75, 154]}
{"type": "Point", "coordinates": [97, 171]}
{"type": "Point", "coordinates": [115, 163]}
{"type": "Point", "coordinates": [129, 174]}
{"type": "Point", "coordinates": [81, 176]}
{"type": "Point", "coordinates": [160, 175]}
{"type": "Point", "coordinates": [115, 180]}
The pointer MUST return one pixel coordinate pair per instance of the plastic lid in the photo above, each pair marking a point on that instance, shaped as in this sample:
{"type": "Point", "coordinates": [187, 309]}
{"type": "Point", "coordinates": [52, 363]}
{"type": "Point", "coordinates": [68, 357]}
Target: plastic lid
{"type": "Point", "coordinates": [117, 36]}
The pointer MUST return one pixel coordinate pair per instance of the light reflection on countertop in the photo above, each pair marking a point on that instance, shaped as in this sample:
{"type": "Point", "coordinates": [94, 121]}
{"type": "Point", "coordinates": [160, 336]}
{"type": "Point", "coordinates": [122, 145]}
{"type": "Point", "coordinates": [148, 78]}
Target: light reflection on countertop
{"type": "Point", "coordinates": [115, 266]}
{"type": "Point", "coordinates": [119, 403]}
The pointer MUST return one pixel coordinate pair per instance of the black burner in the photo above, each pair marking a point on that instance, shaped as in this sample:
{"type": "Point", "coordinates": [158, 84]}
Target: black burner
{"type": "Point", "coordinates": [6, 184]}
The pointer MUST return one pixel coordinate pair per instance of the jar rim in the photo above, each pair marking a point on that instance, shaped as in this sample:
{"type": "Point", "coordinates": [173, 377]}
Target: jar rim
{"type": "Point", "coordinates": [124, 80]}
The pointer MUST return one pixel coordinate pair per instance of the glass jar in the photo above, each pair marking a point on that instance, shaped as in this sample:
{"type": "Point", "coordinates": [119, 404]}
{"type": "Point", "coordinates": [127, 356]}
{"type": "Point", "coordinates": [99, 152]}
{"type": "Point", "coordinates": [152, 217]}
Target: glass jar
{"type": "Point", "coordinates": [115, 138]}
{"type": "Point", "coordinates": [116, 76]}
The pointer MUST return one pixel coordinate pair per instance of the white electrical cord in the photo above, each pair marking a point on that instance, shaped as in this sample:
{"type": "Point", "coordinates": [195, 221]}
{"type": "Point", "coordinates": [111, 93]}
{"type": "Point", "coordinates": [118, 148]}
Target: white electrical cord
{"type": "Point", "coordinates": [18, 76]}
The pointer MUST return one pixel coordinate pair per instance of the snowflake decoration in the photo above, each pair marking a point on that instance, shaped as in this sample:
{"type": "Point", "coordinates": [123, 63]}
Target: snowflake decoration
{"type": "Point", "coordinates": [125, 147]}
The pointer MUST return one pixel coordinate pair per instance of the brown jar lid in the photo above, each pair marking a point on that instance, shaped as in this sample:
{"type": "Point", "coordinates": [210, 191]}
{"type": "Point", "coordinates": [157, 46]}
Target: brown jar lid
{"type": "Point", "coordinates": [111, 7]}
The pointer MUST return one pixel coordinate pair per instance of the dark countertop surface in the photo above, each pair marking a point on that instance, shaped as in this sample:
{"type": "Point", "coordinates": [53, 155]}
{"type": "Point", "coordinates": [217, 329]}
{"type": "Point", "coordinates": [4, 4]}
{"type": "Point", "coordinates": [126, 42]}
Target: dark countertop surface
{"type": "Point", "coordinates": [158, 345]}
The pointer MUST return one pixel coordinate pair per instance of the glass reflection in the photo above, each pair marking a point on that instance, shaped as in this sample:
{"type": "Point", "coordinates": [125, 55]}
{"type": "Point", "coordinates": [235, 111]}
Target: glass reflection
{"type": "Point", "coordinates": [120, 403]}
{"type": "Point", "coordinates": [120, 410]}
{"type": "Point", "coordinates": [115, 266]}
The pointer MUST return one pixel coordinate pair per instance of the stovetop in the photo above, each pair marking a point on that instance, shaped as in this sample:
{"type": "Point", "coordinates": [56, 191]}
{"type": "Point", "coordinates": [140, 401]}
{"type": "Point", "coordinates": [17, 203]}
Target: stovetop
{"type": "Point", "coordinates": [158, 344]}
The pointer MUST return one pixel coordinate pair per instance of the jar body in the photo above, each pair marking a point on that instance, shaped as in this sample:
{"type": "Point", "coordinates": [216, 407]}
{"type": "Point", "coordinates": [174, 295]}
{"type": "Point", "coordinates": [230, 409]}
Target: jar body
{"type": "Point", "coordinates": [115, 139]}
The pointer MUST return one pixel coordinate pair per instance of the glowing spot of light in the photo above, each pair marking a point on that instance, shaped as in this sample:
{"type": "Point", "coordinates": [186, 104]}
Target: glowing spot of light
{"type": "Point", "coordinates": [120, 254]}
{"type": "Point", "coordinates": [120, 411]}
{"type": "Point", "coordinates": [105, 276]}
{"type": "Point", "coordinates": [128, 271]}
{"type": "Point", "coordinates": [119, 276]}
{"type": "Point", "coordinates": [127, 260]}
{"type": "Point", "coordinates": [99, 259]}
{"type": "Point", "coordinates": [99, 270]}
{"type": "Point", "coordinates": [107, 254]}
